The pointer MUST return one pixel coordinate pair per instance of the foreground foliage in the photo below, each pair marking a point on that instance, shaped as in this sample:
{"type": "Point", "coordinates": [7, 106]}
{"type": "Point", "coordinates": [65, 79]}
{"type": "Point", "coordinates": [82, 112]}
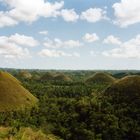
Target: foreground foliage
{"type": "Point", "coordinates": [80, 111]}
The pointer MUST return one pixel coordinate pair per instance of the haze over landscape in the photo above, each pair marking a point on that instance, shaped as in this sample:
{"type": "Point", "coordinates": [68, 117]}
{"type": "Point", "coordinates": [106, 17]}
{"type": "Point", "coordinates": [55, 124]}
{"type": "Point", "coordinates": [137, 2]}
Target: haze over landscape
{"type": "Point", "coordinates": [71, 34]}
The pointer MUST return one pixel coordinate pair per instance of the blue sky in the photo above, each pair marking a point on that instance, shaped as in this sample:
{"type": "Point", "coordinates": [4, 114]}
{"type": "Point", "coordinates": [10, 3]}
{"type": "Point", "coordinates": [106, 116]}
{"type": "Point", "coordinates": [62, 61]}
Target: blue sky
{"type": "Point", "coordinates": [70, 34]}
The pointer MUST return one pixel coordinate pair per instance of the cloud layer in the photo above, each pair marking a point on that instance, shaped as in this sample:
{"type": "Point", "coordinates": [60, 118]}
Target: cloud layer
{"type": "Point", "coordinates": [58, 43]}
{"type": "Point", "coordinates": [90, 37]}
{"type": "Point", "coordinates": [128, 49]}
{"type": "Point", "coordinates": [93, 15]}
{"type": "Point", "coordinates": [127, 12]}
{"type": "Point", "coordinates": [112, 40]}
{"type": "Point", "coordinates": [28, 11]}
{"type": "Point", "coordinates": [69, 15]}
{"type": "Point", "coordinates": [57, 53]}
{"type": "Point", "coordinates": [15, 46]}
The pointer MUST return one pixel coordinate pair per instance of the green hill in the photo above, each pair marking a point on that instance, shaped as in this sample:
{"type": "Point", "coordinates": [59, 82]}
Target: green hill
{"type": "Point", "coordinates": [48, 76]}
{"type": "Point", "coordinates": [62, 77]}
{"type": "Point", "coordinates": [100, 78]}
{"type": "Point", "coordinates": [25, 74]}
{"type": "Point", "coordinates": [127, 88]}
{"type": "Point", "coordinates": [13, 95]}
{"type": "Point", "coordinates": [122, 100]}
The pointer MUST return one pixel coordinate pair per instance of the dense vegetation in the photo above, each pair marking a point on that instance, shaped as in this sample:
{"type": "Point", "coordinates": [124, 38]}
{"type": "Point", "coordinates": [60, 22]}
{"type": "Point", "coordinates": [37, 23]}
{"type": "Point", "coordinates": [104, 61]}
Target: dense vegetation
{"type": "Point", "coordinates": [77, 110]}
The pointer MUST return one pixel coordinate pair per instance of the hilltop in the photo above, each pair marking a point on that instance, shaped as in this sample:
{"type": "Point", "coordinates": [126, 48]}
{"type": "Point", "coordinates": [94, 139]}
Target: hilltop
{"type": "Point", "coordinates": [48, 76]}
{"type": "Point", "coordinates": [100, 78]}
{"type": "Point", "coordinates": [62, 77]}
{"type": "Point", "coordinates": [126, 89]}
{"type": "Point", "coordinates": [13, 95]}
{"type": "Point", "coordinates": [25, 74]}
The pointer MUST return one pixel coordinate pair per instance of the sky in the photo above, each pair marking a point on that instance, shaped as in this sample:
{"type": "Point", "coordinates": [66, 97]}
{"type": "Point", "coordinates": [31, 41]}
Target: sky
{"type": "Point", "coordinates": [70, 34]}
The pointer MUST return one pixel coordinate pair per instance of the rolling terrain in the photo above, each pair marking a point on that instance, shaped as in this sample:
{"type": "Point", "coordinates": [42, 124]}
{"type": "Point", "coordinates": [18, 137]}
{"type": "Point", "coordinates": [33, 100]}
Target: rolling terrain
{"type": "Point", "coordinates": [69, 108]}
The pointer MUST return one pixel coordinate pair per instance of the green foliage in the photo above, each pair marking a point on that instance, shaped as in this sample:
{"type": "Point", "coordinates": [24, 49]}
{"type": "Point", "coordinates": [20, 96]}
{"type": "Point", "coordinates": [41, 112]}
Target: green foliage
{"type": "Point", "coordinates": [74, 110]}
{"type": "Point", "coordinates": [24, 134]}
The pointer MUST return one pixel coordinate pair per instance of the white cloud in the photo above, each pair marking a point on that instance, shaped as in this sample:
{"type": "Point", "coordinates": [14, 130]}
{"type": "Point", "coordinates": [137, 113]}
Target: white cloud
{"type": "Point", "coordinates": [45, 32]}
{"type": "Point", "coordinates": [57, 53]}
{"type": "Point", "coordinates": [12, 50]}
{"type": "Point", "coordinates": [93, 15]}
{"type": "Point", "coordinates": [57, 43]}
{"type": "Point", "coordinates": [129, 49]}
{"type": "Point", "coordinates": [14, 46]}
{"type": "Point", "coordinates": [69, 15]}
{"type": "Point", "coordinates": [6, 20]}
{"type": "Point", "coordinates": [127, 12]}
{"type": "Point", "coordinates": [112, 40]}
{"type": "Point", "coordinates": [90, 37]}
{"type": "Point", "coordinates": [23, 40]}
{"type": "Point", "coordinates": [72, 43]}
{"type": "Point", "coordinates": [28, 11]}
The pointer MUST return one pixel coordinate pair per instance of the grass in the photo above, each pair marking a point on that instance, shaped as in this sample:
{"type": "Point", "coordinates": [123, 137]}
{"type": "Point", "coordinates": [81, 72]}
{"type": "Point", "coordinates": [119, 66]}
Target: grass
{"type": "Point", "coordinates": [62, 77]}
{"type": "Point", "coordinates": [47, 76]}
{"type": "Point", "coordinates": [55, 77]}
{"type": "Point", "coordinates": [25, 74]}
{"type": "Point", "coordinates": [128, 84]}
{"type": "Point", "coordinates": [13, 95]}
{"type": "Point", "coordinates": [100, 77]}
{"type": "Point", "coordinates": [125, 90]}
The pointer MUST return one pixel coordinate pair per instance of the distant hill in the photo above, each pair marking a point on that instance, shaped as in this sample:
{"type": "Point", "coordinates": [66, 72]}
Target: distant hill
{"type": "Point", "coordinates": [48, 76]}
{"type": "Point", "coordinates": [123, 74]}
{"type": "Point", "coordinates": [100, 77]}
{"type": "Point", "coordinates": [13, 95]}
{"type": "Point", "coordinates": [62, 77]}
{"type": "Point", "coordinates": [25, 74]}
{"type": "Point", "coordinates": [126, 89]}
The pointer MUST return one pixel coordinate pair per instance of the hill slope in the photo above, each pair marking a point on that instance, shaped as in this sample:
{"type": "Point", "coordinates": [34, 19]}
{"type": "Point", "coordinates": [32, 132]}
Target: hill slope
{"type": "Point", "coordinates": [25, 74]}
{"type": "Point", "coordinates": [62, 77]}
{"type": "Point", "coordinates": [100, 77]}
{"type": "Point", "coordinates": [126, 89]}
{"type": "Point", "coordinates": [122, 100]}
{"type": "Point", "coordinates": [12, 94]}
{"type": "Point", "coordinates": [47, 77]}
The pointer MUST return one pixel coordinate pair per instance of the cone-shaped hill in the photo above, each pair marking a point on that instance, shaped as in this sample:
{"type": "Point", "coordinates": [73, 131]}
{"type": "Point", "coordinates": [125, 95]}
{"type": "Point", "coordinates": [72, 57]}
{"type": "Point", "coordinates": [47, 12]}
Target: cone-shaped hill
{"type": "Point", "coordinates": [100, 78]}
{"type": "Point", "coordinates": [126, 89]}
{"type": "Point", "coordinates": [13, 96]}
{"type": "Point", "coordinates": [55, 77]}
{"type": "Point", "coordinates": [48, 76]}
{"type": "Point", "coordinates": [25, 74]}
{"type": "Point", "coordinates": [62, 77]}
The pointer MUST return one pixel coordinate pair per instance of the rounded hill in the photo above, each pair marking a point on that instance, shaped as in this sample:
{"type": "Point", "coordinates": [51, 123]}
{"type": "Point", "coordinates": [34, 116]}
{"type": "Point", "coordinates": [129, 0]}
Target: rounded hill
{"type": "Point", "coordinates": [25, 74]}
{"type": "Point", "coordinates": [13, 95]}
{"type": "Point", "coordinates": [100, 78]}
{"type": "Point", "coordinates": [48, 76]}
{"type": "Point", "coordinates": [126, 89]}
{"type": "Point", "coordinates": [62, 77]}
